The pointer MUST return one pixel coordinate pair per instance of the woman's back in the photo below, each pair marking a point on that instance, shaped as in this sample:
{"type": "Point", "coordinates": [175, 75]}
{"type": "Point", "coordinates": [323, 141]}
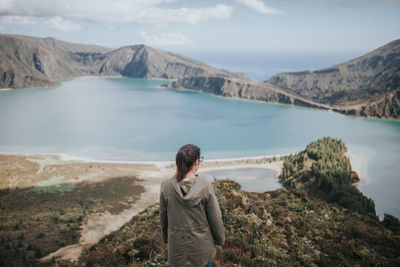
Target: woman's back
{"type": "Point", "coordinates": [190, 220]}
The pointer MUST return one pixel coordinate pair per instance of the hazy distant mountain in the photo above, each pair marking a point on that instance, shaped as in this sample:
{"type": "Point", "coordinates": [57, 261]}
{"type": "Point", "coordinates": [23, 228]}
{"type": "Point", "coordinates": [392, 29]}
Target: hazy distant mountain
{"type": "Point", "coordinates": [38, 62]}
{"type": "Point", "coordinates": [366, 86]}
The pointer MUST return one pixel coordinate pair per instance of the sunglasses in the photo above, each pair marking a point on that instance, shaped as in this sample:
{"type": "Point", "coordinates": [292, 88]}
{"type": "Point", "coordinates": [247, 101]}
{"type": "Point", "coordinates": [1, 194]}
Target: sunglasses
{"type": "Point", "coordinates": [201, 159]}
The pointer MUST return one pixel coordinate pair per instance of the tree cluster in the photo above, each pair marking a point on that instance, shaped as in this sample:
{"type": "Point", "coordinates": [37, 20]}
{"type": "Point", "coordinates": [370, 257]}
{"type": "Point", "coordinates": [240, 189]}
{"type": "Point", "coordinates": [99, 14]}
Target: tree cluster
{"type": "Point", "coordinates": [327, 174]}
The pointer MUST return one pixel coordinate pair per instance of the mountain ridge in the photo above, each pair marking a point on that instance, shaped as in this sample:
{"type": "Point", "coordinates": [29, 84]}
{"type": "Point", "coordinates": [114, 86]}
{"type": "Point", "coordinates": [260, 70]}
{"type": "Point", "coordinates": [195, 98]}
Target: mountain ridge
{"type": "Point", "coordinates": [366, 86]}
{"type": "Point", "coordinates": [375, 72]}
{"type": "Point", "coordinates": [242, 88]}
{"type": "Point", "coordinates": [27, 62]}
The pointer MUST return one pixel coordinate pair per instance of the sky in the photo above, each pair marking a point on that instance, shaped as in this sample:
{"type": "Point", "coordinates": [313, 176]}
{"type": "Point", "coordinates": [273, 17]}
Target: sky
{"type": "Point", "coordinates": [218, 25]}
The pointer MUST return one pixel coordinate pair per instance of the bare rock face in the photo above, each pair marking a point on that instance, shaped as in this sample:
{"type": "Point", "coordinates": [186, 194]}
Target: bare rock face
{"type": "Point", "coordinates": [116, 61]}
{"type": "Point", "coordinates": [387, 107]}
{"type": "Point", "coordinates": [145, 62]}
{"type": "Point", "coordinates": [18, 66]}
{"type": "Point", "coordinates": [47, 62]}
{"type": "Point", "coordinates": [137, 66]}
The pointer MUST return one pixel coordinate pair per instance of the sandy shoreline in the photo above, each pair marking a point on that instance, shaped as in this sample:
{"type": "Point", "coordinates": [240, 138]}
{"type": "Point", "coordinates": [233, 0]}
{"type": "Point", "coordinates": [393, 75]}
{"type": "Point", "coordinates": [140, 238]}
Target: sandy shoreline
{"type": "Point", "coordinates": [65, 158]}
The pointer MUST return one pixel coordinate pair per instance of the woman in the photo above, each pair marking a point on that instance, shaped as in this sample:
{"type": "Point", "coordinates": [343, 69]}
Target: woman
{"type": "Point", "coordinates": [190, 216]}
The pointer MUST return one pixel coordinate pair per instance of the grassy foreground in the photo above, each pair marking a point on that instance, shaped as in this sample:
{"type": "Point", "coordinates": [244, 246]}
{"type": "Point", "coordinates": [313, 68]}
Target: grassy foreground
{"type": "Point", "coordinates": [36, 221]}
{"type": "Point", "coordinates": [310, 222]}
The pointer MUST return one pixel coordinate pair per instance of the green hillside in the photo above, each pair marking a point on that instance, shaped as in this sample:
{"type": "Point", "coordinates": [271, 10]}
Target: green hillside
{"type": "Point", "coordinates": [303, 224]}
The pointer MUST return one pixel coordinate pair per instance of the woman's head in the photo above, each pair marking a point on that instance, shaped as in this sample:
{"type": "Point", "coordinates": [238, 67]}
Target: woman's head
{"type": "Point", "coordinates": [185, 159]}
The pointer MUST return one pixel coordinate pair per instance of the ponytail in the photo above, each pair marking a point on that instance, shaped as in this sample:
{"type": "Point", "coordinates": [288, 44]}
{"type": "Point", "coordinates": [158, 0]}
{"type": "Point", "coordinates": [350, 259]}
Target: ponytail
{"type": "Point", "coordinates": [185, 158]}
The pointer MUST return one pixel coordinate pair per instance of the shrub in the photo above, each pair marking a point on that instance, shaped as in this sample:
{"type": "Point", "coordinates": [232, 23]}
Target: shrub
{"type": "Point", "coordinates": [391, 222]}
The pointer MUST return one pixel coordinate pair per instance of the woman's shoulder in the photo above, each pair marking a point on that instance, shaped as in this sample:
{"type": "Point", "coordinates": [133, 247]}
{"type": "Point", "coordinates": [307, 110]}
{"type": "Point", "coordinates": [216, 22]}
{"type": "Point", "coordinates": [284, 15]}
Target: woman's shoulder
{"type": "Point", "coordinates": [200, 181]}
{"type": "Point", "coordinates": [168, 182]}
{"type": "Point", "coordinates": [204, 182]}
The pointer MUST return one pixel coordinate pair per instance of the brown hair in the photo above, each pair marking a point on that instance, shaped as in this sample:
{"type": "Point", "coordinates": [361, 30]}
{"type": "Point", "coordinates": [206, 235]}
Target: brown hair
{"type": "Point", "coordinates": [185, 158]}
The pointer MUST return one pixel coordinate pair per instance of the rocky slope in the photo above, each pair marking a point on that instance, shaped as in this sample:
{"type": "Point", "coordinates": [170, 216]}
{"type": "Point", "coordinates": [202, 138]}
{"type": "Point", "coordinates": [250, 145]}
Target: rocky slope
{"type": "Point", "coordinates": [385, 107]}
{"type": "Point", "coordinates": [146, 62]}
{"type": "Point", "coordinates": [38, 62]}
{"type": "Point", "coordinates": [365, 86]}
{"type": "Point", "coordinates": [363, 78]}
{"type": "Point", "coordinates": [242, 88]}
{"type": "Point", "coordinates": [286, 227]}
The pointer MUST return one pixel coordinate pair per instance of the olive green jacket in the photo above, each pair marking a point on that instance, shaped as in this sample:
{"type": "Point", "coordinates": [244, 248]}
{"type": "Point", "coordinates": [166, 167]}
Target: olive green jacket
{"type": "Point", "coordinates": [191, 221]}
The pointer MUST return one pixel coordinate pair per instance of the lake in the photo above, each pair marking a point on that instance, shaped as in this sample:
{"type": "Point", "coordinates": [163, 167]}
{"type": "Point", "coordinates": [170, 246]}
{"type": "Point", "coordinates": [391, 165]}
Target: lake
{"type": "Point", "coordinates": [130, 119]}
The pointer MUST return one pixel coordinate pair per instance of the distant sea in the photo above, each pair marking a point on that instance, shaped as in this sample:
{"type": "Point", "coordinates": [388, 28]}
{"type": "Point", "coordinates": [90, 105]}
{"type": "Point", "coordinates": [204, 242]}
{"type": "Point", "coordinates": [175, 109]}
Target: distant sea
{"type": "Point", "coordinates": [261, 66]}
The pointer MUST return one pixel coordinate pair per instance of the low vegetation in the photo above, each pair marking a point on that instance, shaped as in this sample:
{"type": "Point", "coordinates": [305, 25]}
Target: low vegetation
{"type": "Point", "coordinates": [322, 169]}
{"type": "Point", "coordinates": [318, 219]}
{"type": "Point", "coordinates": [39, 220]}
{"type": "Point", "coordinates": [304, 224]}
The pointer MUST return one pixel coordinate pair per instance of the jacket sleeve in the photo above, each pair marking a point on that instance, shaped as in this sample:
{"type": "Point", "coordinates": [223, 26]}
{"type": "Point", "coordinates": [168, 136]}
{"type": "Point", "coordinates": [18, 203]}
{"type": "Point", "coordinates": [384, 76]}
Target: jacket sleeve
{"type": "Point", "coordinates": [215, 218]}
{"type": "Point", "coordinates": [163, 216]}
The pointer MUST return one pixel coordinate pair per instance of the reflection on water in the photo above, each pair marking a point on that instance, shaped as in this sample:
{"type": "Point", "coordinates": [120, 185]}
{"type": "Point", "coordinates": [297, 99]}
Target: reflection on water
{"type": "Point", "coordinates": [251, 179]}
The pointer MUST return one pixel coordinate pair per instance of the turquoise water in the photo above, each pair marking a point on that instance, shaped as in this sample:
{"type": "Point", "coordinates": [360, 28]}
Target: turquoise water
{"type": "Point", "coordinates": [133, 119]}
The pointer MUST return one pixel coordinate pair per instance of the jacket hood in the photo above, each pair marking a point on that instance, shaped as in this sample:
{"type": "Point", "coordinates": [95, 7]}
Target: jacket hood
{"type": "Point", "coordinates": [189, 192]}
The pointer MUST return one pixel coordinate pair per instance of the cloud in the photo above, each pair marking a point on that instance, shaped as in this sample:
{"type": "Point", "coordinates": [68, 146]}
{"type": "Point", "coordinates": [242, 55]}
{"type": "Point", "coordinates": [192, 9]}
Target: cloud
{"type": "Point", "coordinates": [61, 24]}
{"type": "Point", "coordinates": [142, 11]}
{"type": "Point", "coordinates": [341, 2]}
{"type": "Point", "coordinates": [165, 39]}
{"type": "Point", "coordinates": [19, 20]}
{"type": "Point", "coordinates": [112, 27]}
{"type": "Point", "coordinates": [56, 23]}
{"type": "Point", "coordinates": [194, 15]}
{"type": "Point", "coordinates": [259, 6]}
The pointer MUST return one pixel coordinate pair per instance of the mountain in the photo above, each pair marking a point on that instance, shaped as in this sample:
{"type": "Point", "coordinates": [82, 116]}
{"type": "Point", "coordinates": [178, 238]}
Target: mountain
{"type": "Point", "coordinates": [243, 88]}
{"type": "Point", "coordinates": [146, 62]}
{"type": "Point", "coordinates": [365, 86]}
{"type": "Point", "coordinates": [387, 106]}
{"type": "Point", "coordinates": [38, 62]}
